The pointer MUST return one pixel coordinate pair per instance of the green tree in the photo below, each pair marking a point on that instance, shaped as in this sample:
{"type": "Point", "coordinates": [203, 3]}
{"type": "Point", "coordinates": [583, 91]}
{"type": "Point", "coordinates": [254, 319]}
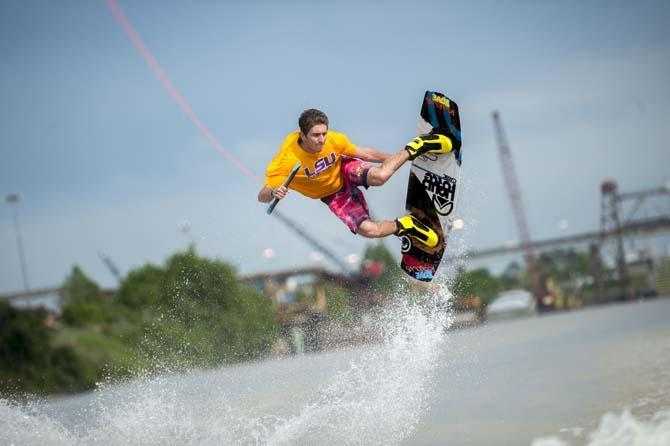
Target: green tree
{"type": "Point", "coordinates": [202, 314]}
{"type": "Point", "coordinates": [512, 276]}
{"type": "Point", "coordinates": [192, 311]}
{"type": "Point", "coordinates": [28, 362]}
{"type": "Point", "coordinates": [339, 309]}
{"type": "Point", "coordinates": [78, 286]}
{"type": "Point", "coordinates": [141, 287]}
{"type": "Point", "coordinates": [23, 338]}
{"type": "Point", "coordinates": [392, 278]}
{"type": "Point", "coordinates": [83, 301]}
{"type": "Point", "coordinates": [478, 282]}
{"type": "Point", "coordinates": [564, 264]}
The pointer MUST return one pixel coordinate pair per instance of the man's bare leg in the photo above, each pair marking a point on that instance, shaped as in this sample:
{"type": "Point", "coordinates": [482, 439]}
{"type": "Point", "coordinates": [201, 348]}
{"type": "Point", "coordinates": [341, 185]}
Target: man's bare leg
{"type": "Point", "coordinates": [425, 143]}
{"type": "Point", "coordinates": [380, 175]}
{"type": "Point", "coordinates": [377, 229]}
{"type": "Point", "coordinates": [407, 225]}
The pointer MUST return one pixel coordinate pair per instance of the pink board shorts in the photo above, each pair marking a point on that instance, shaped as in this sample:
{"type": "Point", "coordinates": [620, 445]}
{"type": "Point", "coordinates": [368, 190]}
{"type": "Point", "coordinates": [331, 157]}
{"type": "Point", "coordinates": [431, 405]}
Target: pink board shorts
{"type": "Point", "coordinates": [349, 203]}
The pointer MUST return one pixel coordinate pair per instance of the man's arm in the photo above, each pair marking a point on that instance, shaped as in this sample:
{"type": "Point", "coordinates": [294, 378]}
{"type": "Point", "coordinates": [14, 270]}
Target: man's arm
{"type": "Point", "coordinates": [266, 194]}
{"type": "Point", "coordinates": [371, 155]}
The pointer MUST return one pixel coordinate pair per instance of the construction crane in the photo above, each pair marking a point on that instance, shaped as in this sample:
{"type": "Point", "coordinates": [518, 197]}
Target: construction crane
{"type": "Point", "coordinates": [514, 194]}
{"type": "Point", "coordinates": [111, 266]}
{"type": "Point", "coordinates": [302, 233]}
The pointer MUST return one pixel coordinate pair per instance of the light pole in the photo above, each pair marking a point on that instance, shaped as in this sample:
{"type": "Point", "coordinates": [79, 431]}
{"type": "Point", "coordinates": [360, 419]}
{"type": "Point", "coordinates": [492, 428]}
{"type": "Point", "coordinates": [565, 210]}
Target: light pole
{"type": "Point", "coordinates": [13, 199]}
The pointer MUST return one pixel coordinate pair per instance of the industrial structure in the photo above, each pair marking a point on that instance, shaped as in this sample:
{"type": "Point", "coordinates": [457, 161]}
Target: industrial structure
{"type": "Point", "coordinates": [614, 227]}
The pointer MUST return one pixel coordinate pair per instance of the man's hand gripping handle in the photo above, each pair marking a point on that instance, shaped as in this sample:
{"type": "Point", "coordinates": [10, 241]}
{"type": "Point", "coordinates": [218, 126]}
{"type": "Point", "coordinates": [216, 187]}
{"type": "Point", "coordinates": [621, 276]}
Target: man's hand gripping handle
{"type": "Point", "coordinates": [286, 184]}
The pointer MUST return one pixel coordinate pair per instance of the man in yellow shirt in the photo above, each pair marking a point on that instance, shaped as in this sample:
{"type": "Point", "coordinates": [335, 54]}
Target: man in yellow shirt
{"type": "Point", "coordinates": [333, 169]}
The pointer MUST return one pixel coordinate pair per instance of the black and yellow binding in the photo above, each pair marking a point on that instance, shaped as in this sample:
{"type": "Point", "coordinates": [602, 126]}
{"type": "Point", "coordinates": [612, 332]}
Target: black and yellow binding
{"type": "Point", "coordinates": [434, 143]}
{"type": "Point", "coordinates": [412, 227]}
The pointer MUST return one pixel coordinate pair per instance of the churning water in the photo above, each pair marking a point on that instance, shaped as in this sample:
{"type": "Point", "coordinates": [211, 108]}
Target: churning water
{"type": "Point", "coordinates": [623, 429]}
{"type": "Point", "coordinates": [505, 383]}
{"type": "Point", "coordinates": [372, 395]}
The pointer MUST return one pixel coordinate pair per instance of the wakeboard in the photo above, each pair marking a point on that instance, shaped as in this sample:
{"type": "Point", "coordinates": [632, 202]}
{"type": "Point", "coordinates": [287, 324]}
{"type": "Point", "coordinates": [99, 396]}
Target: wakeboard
{"type": "Point", "coordinates": [431, 190]}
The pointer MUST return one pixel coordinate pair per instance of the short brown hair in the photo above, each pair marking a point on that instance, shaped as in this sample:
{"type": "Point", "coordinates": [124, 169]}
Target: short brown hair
{"type": "Point", "coordinates": [310, 118]}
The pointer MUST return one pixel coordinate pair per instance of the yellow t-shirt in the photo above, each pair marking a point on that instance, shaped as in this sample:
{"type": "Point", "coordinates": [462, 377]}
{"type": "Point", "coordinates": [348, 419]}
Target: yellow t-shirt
{"type": "Point", "coordinates": [319, 175]}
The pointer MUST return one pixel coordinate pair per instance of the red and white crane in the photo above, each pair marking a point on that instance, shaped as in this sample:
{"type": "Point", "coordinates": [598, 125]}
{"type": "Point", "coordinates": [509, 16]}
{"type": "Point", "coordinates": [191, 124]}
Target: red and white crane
{"type": "Point", "coordinates": [515, 198]}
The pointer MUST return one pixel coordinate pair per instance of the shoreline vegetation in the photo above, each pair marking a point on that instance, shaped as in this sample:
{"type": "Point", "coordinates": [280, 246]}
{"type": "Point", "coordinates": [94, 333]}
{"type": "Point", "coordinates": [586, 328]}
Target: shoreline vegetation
{"type": "Point", "coordinates": [197, 313]}
{"type": "Point", "coordinates": [190, 313]}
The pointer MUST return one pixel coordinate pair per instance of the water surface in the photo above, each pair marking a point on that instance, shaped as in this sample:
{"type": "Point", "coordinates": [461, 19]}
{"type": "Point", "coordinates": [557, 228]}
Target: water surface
{"type": "Point", "coordinates": [562, 379]}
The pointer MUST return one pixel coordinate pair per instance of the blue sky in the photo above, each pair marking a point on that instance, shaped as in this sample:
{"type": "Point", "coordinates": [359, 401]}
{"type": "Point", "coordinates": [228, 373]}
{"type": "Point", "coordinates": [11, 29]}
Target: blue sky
{"type": "Point", "coordinates": [105, 160]}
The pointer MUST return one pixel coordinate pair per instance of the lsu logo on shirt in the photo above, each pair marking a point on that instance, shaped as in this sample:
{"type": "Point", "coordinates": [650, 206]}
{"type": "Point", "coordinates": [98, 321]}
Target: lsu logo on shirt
{"type": "Point", "coordinates": [320, 165]}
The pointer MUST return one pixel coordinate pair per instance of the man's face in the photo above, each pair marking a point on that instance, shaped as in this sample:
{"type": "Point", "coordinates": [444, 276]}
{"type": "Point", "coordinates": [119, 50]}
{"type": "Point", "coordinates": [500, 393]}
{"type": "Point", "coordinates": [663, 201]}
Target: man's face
{"type": "Point", "coordinates": [314, 140]}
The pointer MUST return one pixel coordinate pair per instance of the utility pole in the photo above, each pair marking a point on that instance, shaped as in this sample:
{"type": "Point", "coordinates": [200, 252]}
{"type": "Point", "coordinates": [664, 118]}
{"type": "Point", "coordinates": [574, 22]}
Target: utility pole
{"type": "Point", "coordinates": [610, 217]}
{"type": "Point", "coordinates": [597, 271]}
{"type": "Point", "coordinates": [13, 200]}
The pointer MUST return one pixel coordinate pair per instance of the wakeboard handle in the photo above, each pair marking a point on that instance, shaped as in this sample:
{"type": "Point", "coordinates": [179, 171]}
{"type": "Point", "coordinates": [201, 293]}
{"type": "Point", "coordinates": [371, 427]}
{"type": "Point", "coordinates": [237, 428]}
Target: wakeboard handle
{"type": "Point", "coordinates": [288, 180]}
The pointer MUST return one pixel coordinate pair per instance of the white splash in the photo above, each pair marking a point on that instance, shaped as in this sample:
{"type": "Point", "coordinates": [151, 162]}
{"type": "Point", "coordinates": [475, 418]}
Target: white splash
{"type": "Point", "coordinates": [623, 429]}
{"type": "Point", "coordinates": [376, 399]}
{"type": "Point", "coordinates": [19, 426]}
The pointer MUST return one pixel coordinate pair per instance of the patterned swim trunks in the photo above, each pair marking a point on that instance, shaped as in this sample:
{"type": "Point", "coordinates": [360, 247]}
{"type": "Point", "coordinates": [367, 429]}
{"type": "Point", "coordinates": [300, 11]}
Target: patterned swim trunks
{"type": "Point", "coordinates": [349, 203]}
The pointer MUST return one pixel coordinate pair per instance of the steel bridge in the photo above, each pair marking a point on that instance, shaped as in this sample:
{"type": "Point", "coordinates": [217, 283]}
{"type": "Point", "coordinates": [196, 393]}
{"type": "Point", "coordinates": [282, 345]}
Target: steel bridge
{"type": "Point", "coordinates": [633, 228]}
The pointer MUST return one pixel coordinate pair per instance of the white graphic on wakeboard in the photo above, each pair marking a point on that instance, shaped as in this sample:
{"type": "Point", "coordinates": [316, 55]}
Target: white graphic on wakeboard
{"type": "Point", "coordinates": [441, 189]}
{"type": "Point", "coordinates": [405, 244]}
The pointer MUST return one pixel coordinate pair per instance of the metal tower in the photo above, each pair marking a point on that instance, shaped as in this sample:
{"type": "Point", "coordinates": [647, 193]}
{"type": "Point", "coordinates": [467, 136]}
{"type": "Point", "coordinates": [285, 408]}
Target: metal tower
{"type": "Point", "coordinates": [611, 221]}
